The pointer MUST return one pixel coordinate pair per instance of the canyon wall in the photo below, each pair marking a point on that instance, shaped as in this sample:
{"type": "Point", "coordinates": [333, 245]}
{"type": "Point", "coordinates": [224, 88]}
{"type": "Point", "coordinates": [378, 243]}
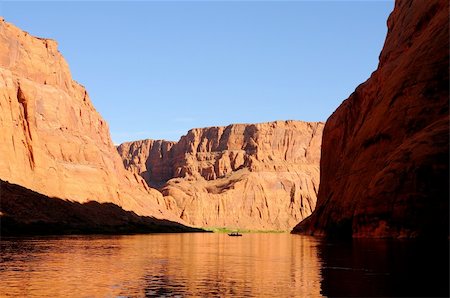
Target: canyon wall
{"type": "Point", "coordinates": [385, 150]}
{"type": "Point", "coordinates": [26, 212]}
{"type": "Point", "coordinates": [52, 139]}
{"type": "Point", "coordinates": [248, 176]}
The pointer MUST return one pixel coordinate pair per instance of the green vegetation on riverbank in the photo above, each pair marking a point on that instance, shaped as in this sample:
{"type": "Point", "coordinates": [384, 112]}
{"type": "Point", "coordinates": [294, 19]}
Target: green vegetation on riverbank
{"type": "Point", "coordinates": [230, 230]}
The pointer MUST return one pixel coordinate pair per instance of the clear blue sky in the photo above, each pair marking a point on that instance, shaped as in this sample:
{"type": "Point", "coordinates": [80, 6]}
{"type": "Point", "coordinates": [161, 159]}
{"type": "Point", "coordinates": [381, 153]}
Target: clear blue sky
{"type": "Point", "coordinates": [157, 69]}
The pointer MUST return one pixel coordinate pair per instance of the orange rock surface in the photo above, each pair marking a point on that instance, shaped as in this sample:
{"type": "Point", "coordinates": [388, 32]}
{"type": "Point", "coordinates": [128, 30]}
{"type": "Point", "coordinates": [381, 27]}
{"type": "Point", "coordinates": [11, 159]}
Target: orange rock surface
{"type": "Point", "coordinates": [249, 176]}
{"type": "Point", "coordinates": [385, 162]}
{"type": "Point", "coordinates": [52, 139]}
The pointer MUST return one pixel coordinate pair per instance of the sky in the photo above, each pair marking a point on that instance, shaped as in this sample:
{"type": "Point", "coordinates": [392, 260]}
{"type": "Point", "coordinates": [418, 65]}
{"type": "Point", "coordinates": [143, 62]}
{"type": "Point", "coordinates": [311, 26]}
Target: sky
{"type": "Point", "coordinates": [156, 69]}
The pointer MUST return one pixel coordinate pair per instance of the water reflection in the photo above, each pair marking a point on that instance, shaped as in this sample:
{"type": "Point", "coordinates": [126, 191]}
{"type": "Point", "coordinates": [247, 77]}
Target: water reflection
{"type": "Point", "coordinates": [385, 268]}
{"type": "Point", "coordinates": [161, 265]}
{"type": "Point", "coordinates": [215, 265]}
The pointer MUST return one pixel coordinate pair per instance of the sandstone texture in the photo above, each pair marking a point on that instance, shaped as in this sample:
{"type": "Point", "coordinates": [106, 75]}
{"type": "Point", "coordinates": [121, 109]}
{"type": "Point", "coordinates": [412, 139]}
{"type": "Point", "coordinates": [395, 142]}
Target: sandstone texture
{"type": "Point", "coordinates": [52, 140]}
{"type": "Point", "coordinates": [385, 150]}
{"type": "Point", "coordinates": [248, 176]}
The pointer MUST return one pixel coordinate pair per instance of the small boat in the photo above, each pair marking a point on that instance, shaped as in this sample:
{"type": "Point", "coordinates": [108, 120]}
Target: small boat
{"type": "Point", "coordinates": [235, 234]}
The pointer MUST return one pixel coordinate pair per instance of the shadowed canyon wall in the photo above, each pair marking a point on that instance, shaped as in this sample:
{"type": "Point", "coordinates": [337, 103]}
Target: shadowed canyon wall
{"type": "Point", "coordinates": [26, 212]}
{"type": "Point", "coordinates": [385, 150]}
{"type": "Point", "coordinates": [252, 176]}
{"type": "Point", "coordinates": [52, 139]}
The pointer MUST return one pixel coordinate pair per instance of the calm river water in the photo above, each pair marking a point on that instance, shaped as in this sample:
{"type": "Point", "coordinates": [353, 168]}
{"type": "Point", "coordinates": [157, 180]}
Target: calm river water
{"type": "Point", "coordinates": [216, 265]}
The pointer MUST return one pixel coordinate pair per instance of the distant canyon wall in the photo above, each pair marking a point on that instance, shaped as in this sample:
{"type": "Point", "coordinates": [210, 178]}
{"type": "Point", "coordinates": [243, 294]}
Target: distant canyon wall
{"type": "Point", "coordinates": [249, 176]}
{"type": "Point", "coordinates": [385, 150]}
{"type": "Point", "coordinates": [52, 139]}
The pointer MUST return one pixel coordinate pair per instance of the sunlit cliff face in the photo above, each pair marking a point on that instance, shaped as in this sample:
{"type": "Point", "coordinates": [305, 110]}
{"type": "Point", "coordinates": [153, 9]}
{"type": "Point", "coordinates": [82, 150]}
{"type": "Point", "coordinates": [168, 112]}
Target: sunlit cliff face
{"type": "Point", "coordinates": [53, 140]}
{"type": "Point", "coordinates": [261, 176]}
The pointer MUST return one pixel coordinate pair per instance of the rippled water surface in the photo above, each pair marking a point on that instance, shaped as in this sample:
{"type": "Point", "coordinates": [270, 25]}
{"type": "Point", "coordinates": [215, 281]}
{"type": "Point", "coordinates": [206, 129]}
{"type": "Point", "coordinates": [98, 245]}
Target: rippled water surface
{"type": "Point", "coordinates": [215, 265]}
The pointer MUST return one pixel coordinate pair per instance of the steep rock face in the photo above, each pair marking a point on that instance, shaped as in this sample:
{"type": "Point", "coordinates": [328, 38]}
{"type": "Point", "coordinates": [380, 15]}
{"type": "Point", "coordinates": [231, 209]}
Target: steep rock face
{"type": "Point", "coordinates": [256, 176]}
{"type": "Point", "coordinates": [148, 158]}
{"type": "Point", "coordinates": [384, 165]}
{"type": "Point", "coordinates": [52, 139]}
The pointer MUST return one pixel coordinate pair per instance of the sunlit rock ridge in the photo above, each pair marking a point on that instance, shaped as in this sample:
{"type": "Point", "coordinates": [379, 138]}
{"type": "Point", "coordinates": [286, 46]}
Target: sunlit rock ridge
{"type": "Point", "coordinates": [53, 141]}
{"type": "Point", "coordinates": [249, 176]}
{"type": "Point", "coordinates": [385, 150]}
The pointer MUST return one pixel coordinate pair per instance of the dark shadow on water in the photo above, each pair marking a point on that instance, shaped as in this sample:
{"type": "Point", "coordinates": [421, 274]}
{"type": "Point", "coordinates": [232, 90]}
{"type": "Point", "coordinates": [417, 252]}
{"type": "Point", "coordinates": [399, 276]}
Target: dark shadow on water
{"type": "Point", "coordinates": [385, 268]}
{"type": "Point", "coordinates": [25, 212]}
{"type": "Point", "coordinates": [160, 285]}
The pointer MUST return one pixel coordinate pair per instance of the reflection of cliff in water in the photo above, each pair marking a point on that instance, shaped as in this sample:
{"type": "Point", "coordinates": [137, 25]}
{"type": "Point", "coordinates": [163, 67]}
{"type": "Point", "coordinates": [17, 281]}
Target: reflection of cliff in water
{"type": "Point", "coordinates": [385, 268]}
{"type": "Point", "coordinates": [215, 265]}
{"type": "Point", "coordinates": [197, 264]}
{"type": "Point", "coordinates": [218, 265]}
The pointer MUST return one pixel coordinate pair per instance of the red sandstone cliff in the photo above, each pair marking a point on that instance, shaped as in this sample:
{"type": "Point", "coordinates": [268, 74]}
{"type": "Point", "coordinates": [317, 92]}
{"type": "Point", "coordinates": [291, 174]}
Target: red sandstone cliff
{"type": "Point", "coordinates": [256, 176]}
{"type": "Point", "coordinates": [52, 140]}
{"type": "Point", "coordinates": [384, 164]}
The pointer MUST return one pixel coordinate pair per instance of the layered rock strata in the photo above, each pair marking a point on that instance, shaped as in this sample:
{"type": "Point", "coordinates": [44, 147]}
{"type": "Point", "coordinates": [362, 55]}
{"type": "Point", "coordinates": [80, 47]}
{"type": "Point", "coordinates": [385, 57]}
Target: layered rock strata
{"type": "Point", "coordinates": [248, 176]}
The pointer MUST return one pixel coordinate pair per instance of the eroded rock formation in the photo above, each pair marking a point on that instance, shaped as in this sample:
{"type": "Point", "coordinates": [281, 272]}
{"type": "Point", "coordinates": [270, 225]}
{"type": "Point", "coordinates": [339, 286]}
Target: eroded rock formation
{"type": "Point", "coordinates": [52, 139]}
{"type": "Point", "coordinates": [385, 162]}
{"type": "Point", "coordinates": [256, 176]}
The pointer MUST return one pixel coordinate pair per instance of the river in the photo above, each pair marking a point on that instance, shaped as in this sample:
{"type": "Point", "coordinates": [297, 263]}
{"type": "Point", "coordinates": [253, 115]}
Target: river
{"type": "Point", "coordinates": [216, 265]}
